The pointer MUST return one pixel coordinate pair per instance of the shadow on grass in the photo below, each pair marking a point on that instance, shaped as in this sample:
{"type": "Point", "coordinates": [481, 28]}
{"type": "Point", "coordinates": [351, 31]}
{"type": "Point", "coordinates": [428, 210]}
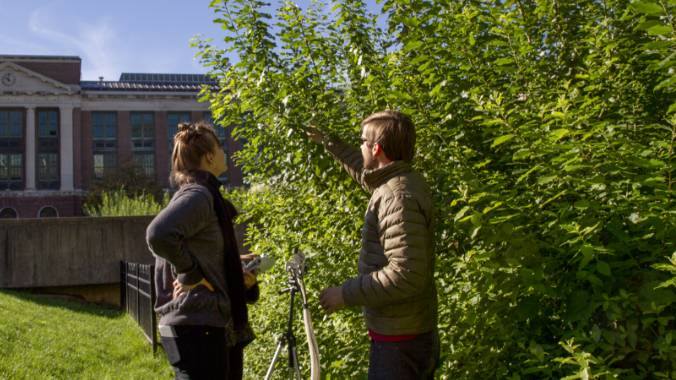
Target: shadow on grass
{"type": "Point", "coordinates": [64, 302]}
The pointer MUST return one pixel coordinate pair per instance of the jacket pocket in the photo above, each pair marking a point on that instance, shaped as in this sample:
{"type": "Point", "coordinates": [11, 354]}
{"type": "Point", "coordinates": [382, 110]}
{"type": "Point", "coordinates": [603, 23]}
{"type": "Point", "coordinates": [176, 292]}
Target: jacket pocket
{"type": "Point", "coordinates": [403, 308]}
{"type": "Point", "coordinates": [198, 299]}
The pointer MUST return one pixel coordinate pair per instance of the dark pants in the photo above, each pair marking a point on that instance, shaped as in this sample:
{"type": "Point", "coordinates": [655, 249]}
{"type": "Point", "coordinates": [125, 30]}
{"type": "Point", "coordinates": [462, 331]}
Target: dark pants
{"type": "Point", "coordinates": [198, 352]}
{"type": "Point", "coordinates": [415, 359]}
{"type": "Point", "coordinates": [236, 370]}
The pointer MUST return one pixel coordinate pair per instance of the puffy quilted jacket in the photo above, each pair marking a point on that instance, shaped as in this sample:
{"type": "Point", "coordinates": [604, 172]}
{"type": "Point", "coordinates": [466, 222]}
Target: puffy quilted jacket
{"type": "Point", "coordinates": [395, 285]}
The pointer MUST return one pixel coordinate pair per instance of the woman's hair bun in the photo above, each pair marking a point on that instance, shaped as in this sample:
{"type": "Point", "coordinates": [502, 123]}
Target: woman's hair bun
{"type": "Point", "coordinates": [182, 127]}
{"type": "Point", "coordinates": [187, 131]}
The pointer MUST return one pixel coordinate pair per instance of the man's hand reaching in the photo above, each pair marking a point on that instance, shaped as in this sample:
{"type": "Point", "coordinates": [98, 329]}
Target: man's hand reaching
{"type": "Point", "coordinates": [314, 134]}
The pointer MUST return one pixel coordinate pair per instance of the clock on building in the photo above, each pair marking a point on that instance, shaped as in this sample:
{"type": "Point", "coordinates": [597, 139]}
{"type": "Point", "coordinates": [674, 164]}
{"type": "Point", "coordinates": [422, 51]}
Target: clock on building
{"type": "Point", "coordinates": [8, 78]}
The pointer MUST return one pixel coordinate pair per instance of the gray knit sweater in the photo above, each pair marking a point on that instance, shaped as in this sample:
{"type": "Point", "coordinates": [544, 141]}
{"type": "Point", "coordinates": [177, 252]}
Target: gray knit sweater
{"type": "Point", "coordinates": [187, 243]}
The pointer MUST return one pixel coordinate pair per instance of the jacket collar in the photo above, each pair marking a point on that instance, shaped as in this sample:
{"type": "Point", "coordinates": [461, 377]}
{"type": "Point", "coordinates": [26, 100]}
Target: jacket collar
{"type": "Point", "coordinates": [373, 178]}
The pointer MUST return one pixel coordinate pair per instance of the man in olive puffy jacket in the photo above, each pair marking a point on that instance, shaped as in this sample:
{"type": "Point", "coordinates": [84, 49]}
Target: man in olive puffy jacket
{"type": "Point", "coordinates": [395, 286]}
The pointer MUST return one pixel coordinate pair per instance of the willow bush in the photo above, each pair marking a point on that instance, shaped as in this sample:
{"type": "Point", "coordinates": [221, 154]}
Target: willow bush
{"type": "Point", "coordinates": [546, 129]}
{"type": "Point", "coordinates": [121, 203]}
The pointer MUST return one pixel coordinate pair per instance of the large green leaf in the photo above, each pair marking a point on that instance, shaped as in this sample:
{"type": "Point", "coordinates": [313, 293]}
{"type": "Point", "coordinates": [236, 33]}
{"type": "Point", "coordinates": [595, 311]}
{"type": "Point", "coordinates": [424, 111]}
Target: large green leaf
{"type": "Point", "coordinates": [501, 140]}
{"type": "Point", "coordinates": [657, 30]}
{"type": "Point", "coordinates": [648, 7]}
{"type": "Point", "coordinates": [558, 134]}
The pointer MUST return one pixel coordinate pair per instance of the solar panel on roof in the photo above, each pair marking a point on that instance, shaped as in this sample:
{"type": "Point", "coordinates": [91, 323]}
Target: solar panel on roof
{"type": "Point", "coordinates": [153, 82]}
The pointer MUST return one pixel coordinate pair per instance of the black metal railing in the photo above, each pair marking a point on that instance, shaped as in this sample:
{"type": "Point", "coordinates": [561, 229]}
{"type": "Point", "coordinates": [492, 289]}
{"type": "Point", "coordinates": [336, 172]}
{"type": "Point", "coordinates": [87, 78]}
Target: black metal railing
{"type": "Point", "coordinates": [137, 297]}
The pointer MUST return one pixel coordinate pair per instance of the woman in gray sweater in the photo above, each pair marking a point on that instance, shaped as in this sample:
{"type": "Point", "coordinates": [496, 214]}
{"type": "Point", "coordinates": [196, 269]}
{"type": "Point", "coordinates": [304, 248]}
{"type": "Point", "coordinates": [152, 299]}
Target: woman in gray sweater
{"type": "Point", "coordinates": [201, 289]}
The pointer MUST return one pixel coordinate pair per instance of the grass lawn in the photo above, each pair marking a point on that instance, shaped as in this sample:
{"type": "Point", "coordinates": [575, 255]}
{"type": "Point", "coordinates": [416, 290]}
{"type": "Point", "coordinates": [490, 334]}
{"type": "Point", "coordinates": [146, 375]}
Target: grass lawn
{"type": "Point", "coordinates": [48, 338]}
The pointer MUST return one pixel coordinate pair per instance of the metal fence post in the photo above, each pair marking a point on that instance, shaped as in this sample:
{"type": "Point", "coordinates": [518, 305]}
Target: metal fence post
{"type": "Point", "coordinates": [153, 320]}
{"type": "Point", "coordinates": [123, 285]}
{"type": "Point", "coordinates": [139, 297]}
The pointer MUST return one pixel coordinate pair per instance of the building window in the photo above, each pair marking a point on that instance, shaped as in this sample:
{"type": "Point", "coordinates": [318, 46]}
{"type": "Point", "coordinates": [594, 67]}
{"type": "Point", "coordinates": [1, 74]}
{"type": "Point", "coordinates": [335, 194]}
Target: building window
{"type": "Point", "coordinates": [11, 149]}
{"type": "Point", "coordinates": [8, 213]}
{"type": "Point", "coordinates": [48, 212]}
{"type": "Point", "coordinates": [143, 140]}
{"type": "Point", "coordinates": [173, 119]}
{"type": "Point", "coordinates": [48, 149]}
{"type": "Point", "coordinates": [222, 134]}
{"type": "Point", "coordinates": [104, 131]}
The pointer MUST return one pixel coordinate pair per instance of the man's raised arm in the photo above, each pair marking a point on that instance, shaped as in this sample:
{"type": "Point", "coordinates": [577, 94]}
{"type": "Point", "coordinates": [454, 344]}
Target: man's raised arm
{"type": "Point", "coordinates": [349, 157]}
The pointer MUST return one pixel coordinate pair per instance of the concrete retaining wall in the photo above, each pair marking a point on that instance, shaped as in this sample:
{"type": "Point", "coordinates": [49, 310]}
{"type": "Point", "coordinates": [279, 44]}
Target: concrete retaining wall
{"type": "Point", "coordinates": [70, 251]}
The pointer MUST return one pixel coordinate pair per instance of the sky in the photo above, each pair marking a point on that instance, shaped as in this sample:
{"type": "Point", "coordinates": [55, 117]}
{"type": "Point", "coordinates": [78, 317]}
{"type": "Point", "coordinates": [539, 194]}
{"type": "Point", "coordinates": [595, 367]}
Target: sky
{"type": "Point", "coordinates": [110, 36]}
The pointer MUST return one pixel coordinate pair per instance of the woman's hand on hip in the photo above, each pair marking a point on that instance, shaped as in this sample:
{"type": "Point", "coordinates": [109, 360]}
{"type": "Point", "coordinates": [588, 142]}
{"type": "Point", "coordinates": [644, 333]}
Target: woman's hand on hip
{"type": "Point", "coordinates": [181, 288]}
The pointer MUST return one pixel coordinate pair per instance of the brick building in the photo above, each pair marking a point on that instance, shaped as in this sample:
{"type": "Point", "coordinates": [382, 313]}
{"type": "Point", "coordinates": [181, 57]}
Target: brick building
{"type": "Point", "coordinates": [60, 134]}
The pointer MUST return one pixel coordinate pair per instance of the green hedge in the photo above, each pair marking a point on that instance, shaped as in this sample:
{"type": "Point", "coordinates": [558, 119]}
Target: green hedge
{"type": "Point", "coordinates": [121, 203]}
{"type": "Point", "coordinates": [546, 129]}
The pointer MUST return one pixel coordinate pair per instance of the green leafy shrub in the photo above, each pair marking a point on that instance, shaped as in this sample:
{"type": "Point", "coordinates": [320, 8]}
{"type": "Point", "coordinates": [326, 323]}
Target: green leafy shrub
{"type": "Point", "coordinates": [546, 129]}
{"type": "Point", "coordinates": [129, 179]}
{"type": "Point", "coordinates": [120, 203]}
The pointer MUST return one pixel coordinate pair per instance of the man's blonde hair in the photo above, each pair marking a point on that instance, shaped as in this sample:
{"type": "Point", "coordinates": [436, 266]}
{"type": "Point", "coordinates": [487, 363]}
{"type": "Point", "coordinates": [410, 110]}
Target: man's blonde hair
{"type": "Point", "coordinates": [393, 131]}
